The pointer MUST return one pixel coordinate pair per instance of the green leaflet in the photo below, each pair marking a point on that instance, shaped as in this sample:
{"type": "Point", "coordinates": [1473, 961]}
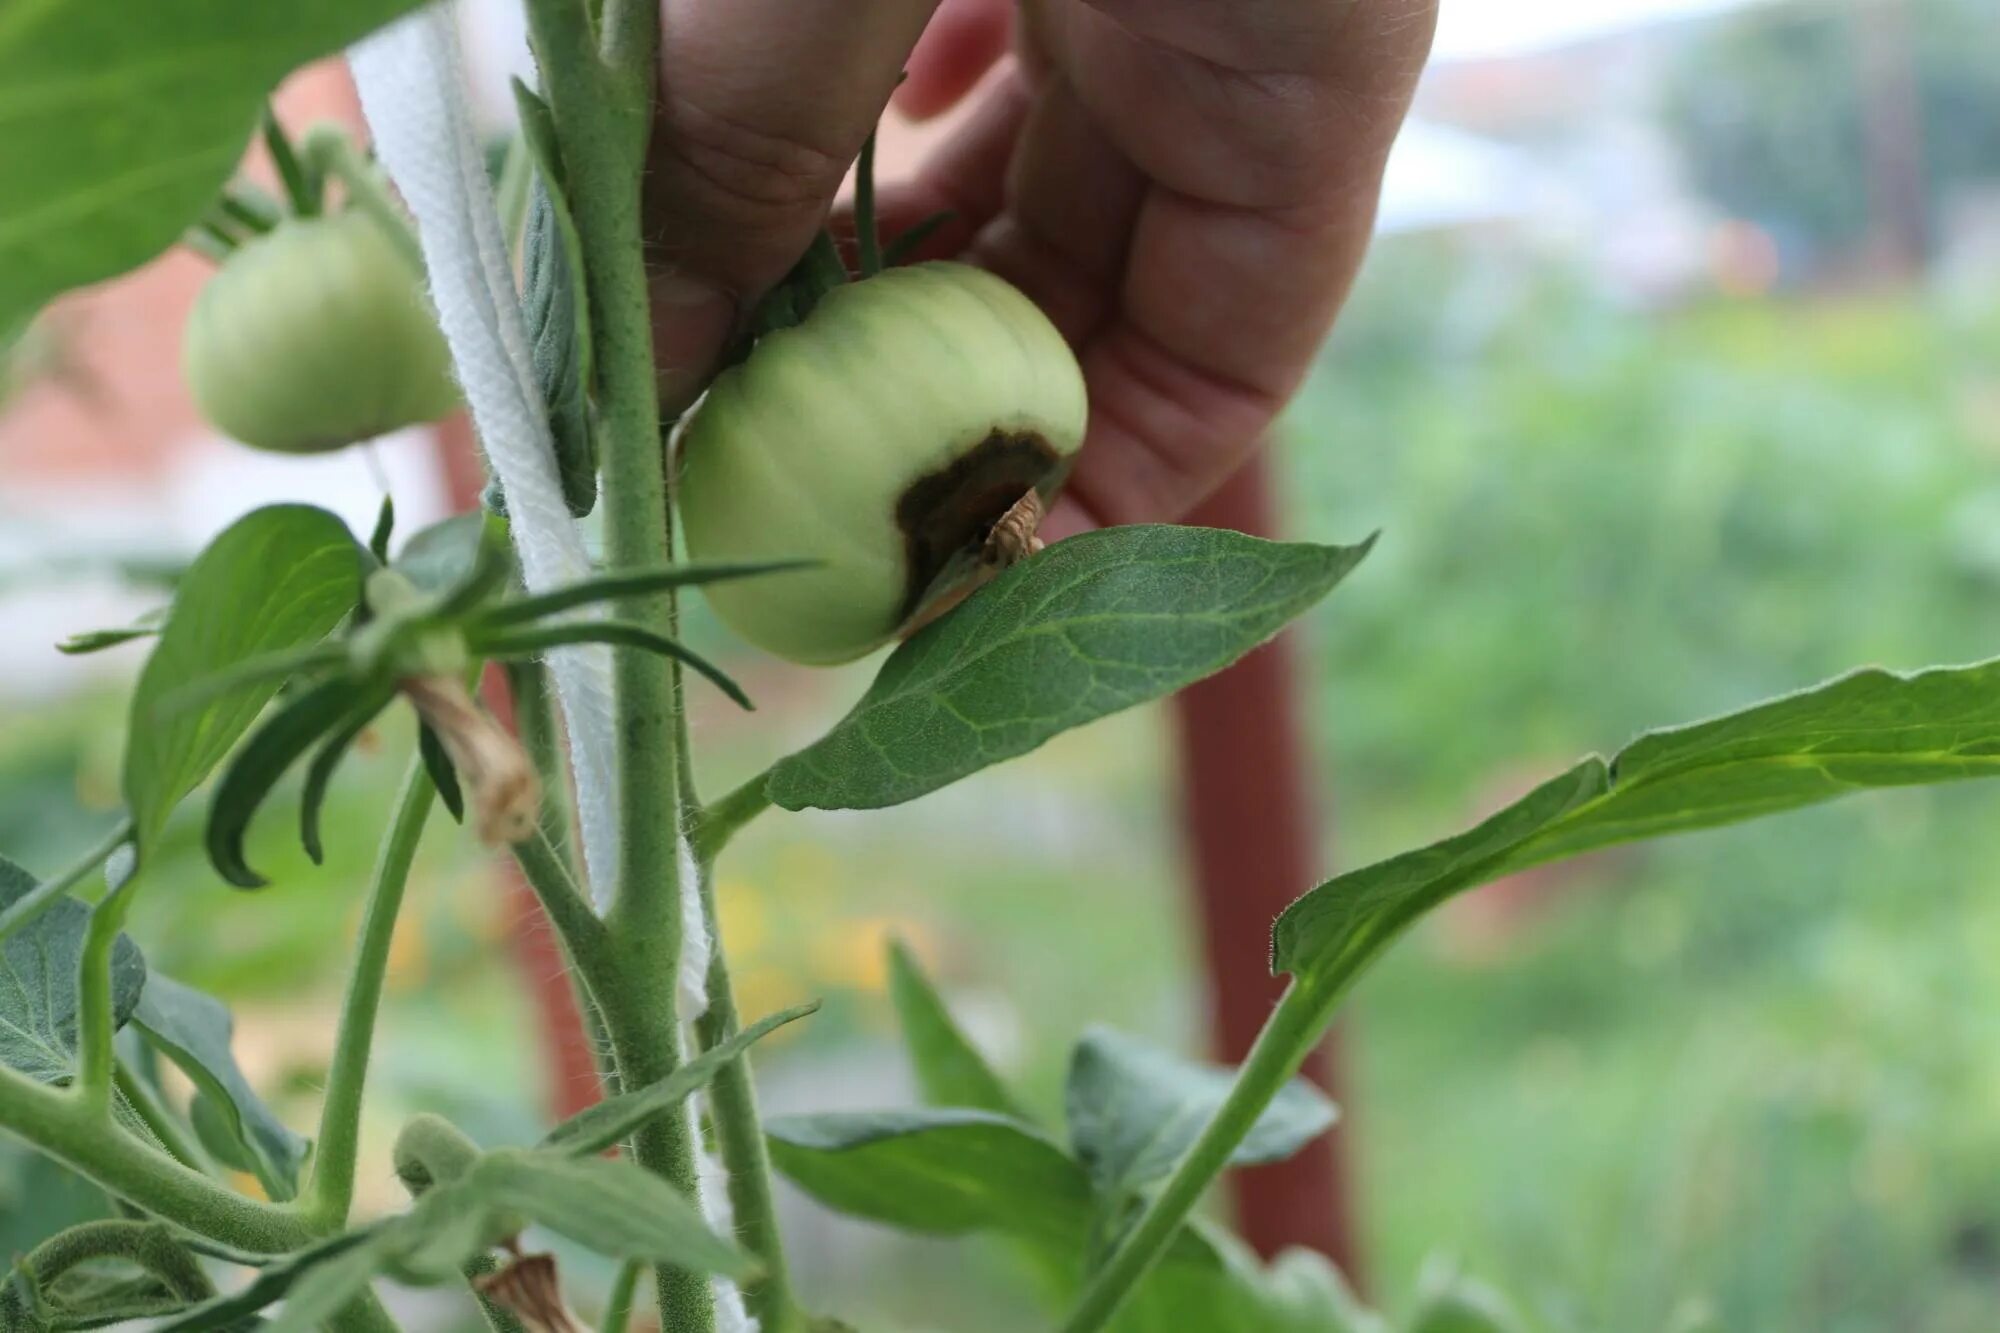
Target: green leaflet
{"type": "Point", "coordinates": [1865, 730]}
{"type": "Point", "coordinates": [1093, 625]}
{"type": "Point", "coordinates": [95, 178]}
{"type": "Point", "coordinates": [610, 1205]}
{"type": "Point", "coordinates": [38, 971]}
{"type": "Point", "coordinates": [194, 1030]}
{"type": "Point", "coordinates": [949, 1068]}
{"type": "Point", "coordinates": [1133, 1111]}
{"type": "Point", "coordinates": [277, 579]}
{"type": "Point", "coordinates": [940, 1171]}
{"type": "Point", "coordinates": [552, 305]}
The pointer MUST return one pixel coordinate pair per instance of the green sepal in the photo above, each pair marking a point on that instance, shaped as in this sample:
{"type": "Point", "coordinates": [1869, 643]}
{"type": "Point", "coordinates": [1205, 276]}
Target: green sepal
{"type": "Point", "coordinates": [385, 528]}
{"type": "Point", "coordinates": [320, 772]}
{"type": "Point", "coordinates": [443, 776]}
{"type": "Point", "coordinates": [615, 1119]}
{"type": "Point", "coordinates": [610, 587]}
{"type": "Point", "coordinates": [539, 639]}
{"type": "Point", "coordinates": [918, 232]}
{"type": "Point", "coordinates": [261, 762]}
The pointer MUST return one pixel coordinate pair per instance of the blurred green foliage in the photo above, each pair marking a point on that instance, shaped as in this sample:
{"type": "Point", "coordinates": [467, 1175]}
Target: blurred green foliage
{"type": "Point", "coordinates": [1769, 110]}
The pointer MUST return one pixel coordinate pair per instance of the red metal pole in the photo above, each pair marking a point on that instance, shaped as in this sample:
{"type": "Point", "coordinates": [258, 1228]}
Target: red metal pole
{"type": "Point", "coordinates": [572, 1074]}
{"type": "Point", "coordinates": [1253, 846]}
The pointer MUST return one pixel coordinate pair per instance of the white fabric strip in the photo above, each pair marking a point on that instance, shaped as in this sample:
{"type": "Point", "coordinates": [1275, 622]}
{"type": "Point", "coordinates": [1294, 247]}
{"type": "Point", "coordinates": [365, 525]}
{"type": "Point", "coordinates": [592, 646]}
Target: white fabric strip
{"type": "Point", "coordinates": [412, 84]}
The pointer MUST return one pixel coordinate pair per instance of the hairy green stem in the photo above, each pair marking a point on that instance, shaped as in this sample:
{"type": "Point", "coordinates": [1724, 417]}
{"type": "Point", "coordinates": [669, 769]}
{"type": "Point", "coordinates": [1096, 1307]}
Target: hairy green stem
{"type": "Point", "coordinates": [153, 1113]}
{"type": "Point", "coordinates": [1289, 1035]}
{"type": "Point", "coordinates": [599, 83]}
{"type": "Point", "coordinates": [330, 1193]}
{"type": "Point", "coordinates": [638, 1012]}
{"type": "Point", "coordinates": [723, 820]}
{"type": "Point", "coordinates": [548, 873]}
{"type": "Point", "coordinates": [96, 1019]}
{"type": "Point", "coordinates": [50, 1120]}
{"type": "Point", "coordinates": [25, 910]}
{"type": "Point", "coordinates": [739, 1135]}
{"type": "Point", "coordinates": [498, 1317]}
{"type": "Point", "coordinates": [535, 721]}
{"type": "Point", "coordinates": [148, 1245]}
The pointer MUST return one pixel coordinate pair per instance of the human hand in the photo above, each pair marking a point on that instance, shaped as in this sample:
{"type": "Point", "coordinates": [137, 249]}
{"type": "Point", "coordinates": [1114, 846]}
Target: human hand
{"type": "Point", "coordinates": [1186, 187]}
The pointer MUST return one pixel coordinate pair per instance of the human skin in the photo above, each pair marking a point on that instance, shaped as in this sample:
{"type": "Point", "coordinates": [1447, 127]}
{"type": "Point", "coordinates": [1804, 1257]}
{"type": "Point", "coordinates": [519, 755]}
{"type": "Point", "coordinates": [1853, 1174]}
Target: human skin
{"type": "Point", "coordinates": [1186, 187]}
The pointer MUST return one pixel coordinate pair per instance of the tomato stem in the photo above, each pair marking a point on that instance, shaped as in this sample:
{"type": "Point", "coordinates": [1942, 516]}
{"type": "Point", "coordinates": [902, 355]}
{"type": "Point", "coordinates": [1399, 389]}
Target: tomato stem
{"type": "Point", "coordinates": [739, 1137]}
{"type": "Point", "coordinates": [330, 1193]}
{"type": "Point", "coordinates": [599, 84]}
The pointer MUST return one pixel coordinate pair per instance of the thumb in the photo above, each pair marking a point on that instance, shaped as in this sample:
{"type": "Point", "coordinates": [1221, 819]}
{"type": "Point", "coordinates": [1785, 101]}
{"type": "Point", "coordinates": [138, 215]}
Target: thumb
{"type": "Point", "coordinates": [763, 105]}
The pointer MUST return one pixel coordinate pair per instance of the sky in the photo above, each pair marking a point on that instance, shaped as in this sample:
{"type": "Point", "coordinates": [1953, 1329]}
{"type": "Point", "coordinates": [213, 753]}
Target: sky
{"type": "Point", "coordinates": [1471, 29]}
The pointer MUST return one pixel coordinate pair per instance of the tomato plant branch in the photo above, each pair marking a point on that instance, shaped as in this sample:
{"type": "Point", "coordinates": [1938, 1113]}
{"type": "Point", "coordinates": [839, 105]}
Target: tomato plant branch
{"type": "Point", "coordinates": [51, 1120]}
{"type": "Point", "coordinates": [600, 93]}
{"type": "Point", "coordinates": [548, 875]}
{"type": "Point", "coordinates": [726, 817]}
{"type": "Point", "coordinates": [30, 906]}
{"type": "Point", "coordinates": [739, 1136]}
{"type": "Point", "coordinates": [145, 1103]}
{"type": "Point", "coordinates": [96, 1021]}
{"type": "Point", "coordinates": [330, 1193]}
{"type": "Point", "coordinates": [1289, 1035]}
{"type": "Point", "coordinates": [146, 1245]}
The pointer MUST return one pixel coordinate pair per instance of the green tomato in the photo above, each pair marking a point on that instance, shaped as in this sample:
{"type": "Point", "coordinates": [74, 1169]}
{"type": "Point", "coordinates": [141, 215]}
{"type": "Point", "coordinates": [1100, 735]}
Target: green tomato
{"type": "Point", "coordinates": [883, 437]}
{"type": "Point", "coordinates": [316, 335]}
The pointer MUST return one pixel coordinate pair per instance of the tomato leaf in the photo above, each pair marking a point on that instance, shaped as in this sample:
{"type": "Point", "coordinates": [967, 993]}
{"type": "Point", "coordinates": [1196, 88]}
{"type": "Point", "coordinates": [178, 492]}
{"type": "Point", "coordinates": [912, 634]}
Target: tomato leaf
{"type": "Point", "coordinates": [194, 1030]}
{"type": "Point", "coordinates": [122, 122]}
{"type": "Point", "coordinates": [1089, 627]}
{"type": "Point", "coordinates": [949, 1068]}
{"type": "Point", "coordinates": [610, 1205]}
{"type": "Point", "coordinates": [1134, 1110]}
{"type": "Point", "coordinates": [278, 579]}
{"type": "Point", "coordinates": [554, 308]}
{"type": "Point", "coordinates": [38, 971]}
{"type": "Point", "coordinates": [943, 1171]}
{"type": "Point", "coordinates": [1866, 730]}
{"type": "Point", "coordinates": [444, 556]}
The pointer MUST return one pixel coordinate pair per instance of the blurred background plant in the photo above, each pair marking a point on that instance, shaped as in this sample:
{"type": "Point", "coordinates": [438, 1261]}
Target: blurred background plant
{"type": "Point", "coordinates": [1667, 397]}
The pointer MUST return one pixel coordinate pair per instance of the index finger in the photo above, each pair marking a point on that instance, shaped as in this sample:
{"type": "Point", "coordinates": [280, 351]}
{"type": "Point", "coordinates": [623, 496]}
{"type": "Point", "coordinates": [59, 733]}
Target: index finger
{"type": "Point", "coordinates": [763, 105]}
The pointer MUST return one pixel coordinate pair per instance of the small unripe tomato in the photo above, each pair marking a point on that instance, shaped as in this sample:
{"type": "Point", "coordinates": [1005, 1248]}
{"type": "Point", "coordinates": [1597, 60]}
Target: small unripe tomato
{"type": "Point", "coordinates": [884, 437]}
{"type": "Point", "coordinates": [315, 335]}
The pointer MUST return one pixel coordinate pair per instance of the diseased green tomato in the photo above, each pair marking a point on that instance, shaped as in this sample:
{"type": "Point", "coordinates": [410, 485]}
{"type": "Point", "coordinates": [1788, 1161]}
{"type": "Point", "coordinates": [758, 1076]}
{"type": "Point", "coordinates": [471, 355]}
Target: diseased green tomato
{"type": "Point", "coordinates": [883, 437]}
{"type": "Point", "coordinates": [314, 336]}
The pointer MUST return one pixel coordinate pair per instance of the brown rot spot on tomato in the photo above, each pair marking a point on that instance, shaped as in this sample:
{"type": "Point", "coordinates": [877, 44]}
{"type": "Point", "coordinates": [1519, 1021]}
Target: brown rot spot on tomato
{"type": "Point", "coordinates": [953, 512]}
